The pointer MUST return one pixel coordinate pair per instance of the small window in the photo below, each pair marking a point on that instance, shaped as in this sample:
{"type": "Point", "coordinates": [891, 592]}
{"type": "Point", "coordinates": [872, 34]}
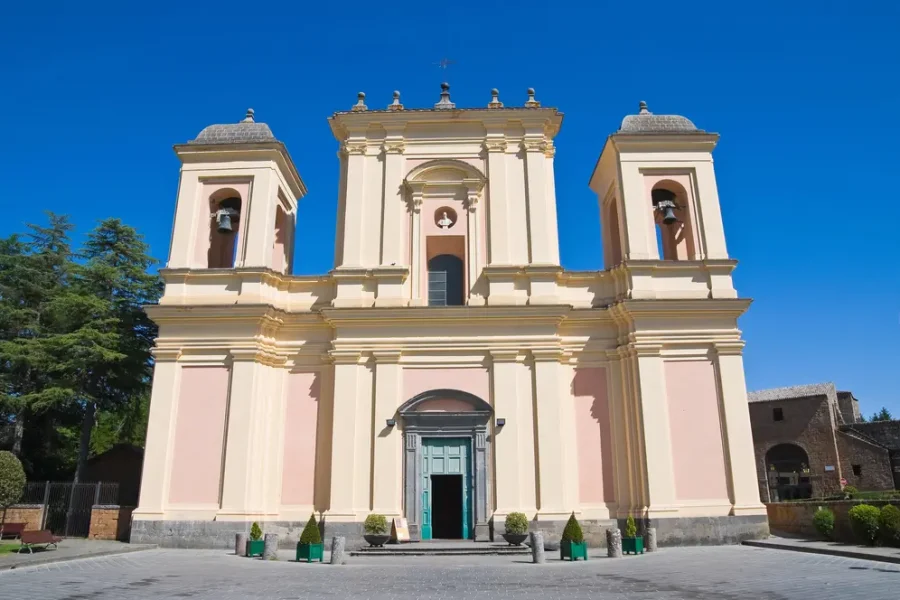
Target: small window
{"type": "Point", "coordinates": [857, 470]}
{"type": "Point", "coordinates": [778, 414]}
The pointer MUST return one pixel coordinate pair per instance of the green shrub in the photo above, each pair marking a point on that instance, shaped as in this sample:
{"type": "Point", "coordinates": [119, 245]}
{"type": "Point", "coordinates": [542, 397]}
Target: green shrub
{"type": "Point", "coordinates": [823, 521]}
{"type": "Point", "coordinates": [516, 523]}
{"type": "Point", "coordinates": [375, 525]}
{"type": "Point", "coordinates": [572, 532]}
{"type": "Point", "coordinates": [850, 491]}
{"type": "Point", "coordinates": [864, 523]}
{"type": "Point", "coordinates": [630, 527]}
{"type": "Point", "coordinates": [12, 479]}
{"type": "Point", "coordinates": [255, 532]}
{"type": "Point", "coordinates": [310, 533]}
{"type": "Point", "coordinates": [889, 525]}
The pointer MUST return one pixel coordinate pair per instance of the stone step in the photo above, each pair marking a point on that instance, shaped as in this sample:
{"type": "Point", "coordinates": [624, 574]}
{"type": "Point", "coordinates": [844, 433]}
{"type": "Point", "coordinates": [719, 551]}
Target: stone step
{"type": "Point", "coordinates": [425, 549]}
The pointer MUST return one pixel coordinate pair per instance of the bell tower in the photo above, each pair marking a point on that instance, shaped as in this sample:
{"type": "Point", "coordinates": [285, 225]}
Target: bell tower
{"type": "Point", "coordinates": [659, 202]}
{"type": "Point", "coordinates": [237, 200]}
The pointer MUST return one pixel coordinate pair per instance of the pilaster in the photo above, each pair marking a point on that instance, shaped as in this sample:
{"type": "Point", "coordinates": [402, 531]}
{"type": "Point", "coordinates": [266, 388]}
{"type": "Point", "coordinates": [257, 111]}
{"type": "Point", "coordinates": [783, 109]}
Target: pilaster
{"type": "Point", "coordinates": [354, 210]}
{"type": "Point", "coordinates": [245, 460]}
{"type": "Point", "coordinates": [556, 494]}
{"type": "Point", "coordinates": [498, 201]}
{"type": "Point", "coordinates": [637, 215]}
{"type": "Point", "coordinates": [653, 429]}
{"type": "Point", "coordinates": [388, 450]}
{"type": "Point", "coordinates": [416, 191]}
{"type": "Point", "coordinates": [394, 212]}
{"type": "Point", "coordinates": [351, 431]}
{"type": "Point", "coordinates": [160, 436]}
{"type": "Point", "coordinates": [508, 439]}
{"type": "Point", "coordinates": [735, 419]}
{"type": "Point", "coordinates": [541, 212]}
{"type": "Point", "coordinates": [475, 259]}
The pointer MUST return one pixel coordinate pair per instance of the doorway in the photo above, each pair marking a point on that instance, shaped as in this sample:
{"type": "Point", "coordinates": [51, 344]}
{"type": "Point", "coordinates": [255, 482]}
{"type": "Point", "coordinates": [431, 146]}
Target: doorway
{"type": "Point", "coordinates": [446, 506]}
{"type": "Point", "coordinates": [446, 488]}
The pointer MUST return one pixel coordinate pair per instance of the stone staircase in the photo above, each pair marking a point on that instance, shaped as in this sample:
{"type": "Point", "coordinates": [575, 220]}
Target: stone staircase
{"type": "Point", "coordinates": [445, 548]}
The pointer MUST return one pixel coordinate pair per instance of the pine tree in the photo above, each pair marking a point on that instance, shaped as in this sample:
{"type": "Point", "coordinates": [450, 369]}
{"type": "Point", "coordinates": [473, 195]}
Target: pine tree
{"type": "Point", "coordinates": [882, 415]}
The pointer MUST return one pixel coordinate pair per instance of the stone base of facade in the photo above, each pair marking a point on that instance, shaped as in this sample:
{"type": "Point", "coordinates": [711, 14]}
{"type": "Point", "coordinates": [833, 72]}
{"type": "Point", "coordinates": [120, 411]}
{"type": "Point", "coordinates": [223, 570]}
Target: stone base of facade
{"type": "Point", "coordinates": [682, 531]}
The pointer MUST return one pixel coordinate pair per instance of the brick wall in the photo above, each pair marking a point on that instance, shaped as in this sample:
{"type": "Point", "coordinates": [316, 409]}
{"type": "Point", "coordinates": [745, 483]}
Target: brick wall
{"type": "Point", "coordinates": [110, 523]}
{"type": "Point", "coordinates": [808, 423]}
{"type": "Point", "coordinates": [874, 462]}
{"type": "Point", "coordinates": [886, 433]}
{"type": "Point", "coordinates": [30, 514]}
{"type": "Point", "coordinates": [797, 517]}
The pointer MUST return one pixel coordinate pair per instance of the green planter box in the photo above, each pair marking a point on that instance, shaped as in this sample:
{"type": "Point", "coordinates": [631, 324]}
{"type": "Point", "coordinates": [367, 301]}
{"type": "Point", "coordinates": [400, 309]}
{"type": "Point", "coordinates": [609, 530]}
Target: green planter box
{"type": "Point", "coordinates": [572, 551]}
{"type": "Point", "coordinates": [633, 545]}
{"type": "Point", "coordinates": [255, 547]}
{"type": "Point", "coordinates": [310, 552]}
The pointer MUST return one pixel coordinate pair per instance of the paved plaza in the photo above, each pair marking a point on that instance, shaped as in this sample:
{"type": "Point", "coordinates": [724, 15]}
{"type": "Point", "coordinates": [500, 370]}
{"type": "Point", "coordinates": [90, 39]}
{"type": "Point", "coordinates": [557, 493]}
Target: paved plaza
{"type": "Point", "coordinates": [720, 573]}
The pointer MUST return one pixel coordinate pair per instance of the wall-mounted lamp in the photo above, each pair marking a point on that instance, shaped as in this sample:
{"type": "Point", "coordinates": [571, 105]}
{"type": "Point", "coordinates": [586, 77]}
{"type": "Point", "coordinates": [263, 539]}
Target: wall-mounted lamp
{"type": "Point", "coordinates": [501, 422]}
{"type": "Point", "coordinates": [391, 422]}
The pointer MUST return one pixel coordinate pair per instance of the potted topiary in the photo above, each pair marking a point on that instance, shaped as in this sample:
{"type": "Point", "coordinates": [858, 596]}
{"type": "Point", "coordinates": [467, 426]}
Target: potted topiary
{"type": "Point", "coordinates": [631, 542]}
{"type": "Point", "coordinates": [310, 545]}
{"type": "Point", "coordinates": [572, 545]}
{"type": "Point", "coordinates": [376, 530]}
{"type": "Point", "coordinates": [255, 545]}
{"type": "Point", "coordinates": [516, 526]}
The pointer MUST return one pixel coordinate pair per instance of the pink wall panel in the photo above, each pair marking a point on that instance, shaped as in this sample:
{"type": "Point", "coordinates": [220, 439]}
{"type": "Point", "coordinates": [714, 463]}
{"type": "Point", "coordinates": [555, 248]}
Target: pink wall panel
{"type": "Point", "coordinates": [475, 381]}
{"type": "Point", "coordinates": [301, 412]}
{"type": "Point", "coordinates": [592, 429]}
{"type": "Point", "coordinates": [199, 435]}
{"type": "Point", "coordinates": [697, 454]}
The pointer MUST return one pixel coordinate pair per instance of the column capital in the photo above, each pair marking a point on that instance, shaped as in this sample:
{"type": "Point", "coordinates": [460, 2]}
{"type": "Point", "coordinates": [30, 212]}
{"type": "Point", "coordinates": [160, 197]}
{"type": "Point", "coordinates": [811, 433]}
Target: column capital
{"type": "Point", "coordinates": [387, 357]}
{"type": "Point", "coordinates": [733, 348]}
{"type": "Point", "coordinates": [534, 144]}
{"type": "Point", "coordinates": [393, 147]}
{"type": "Point", "coordinates": [347, 357]}
{"type": "Point", "coordinates": [495, 145]}
{"type": "Point", "coordinates": [506, 356]}
{"type": "Point", "coordinates": [165, 354]}
{"type": "Point", "coordinates": [353, 147]}
{"type": "Point", "coordinates": [548, 355]}
{"type": "Point", "coordinates": [640, 349]}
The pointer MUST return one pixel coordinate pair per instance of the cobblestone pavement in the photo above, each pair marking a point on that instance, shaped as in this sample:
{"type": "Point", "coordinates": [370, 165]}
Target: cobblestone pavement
{"type": "Point", "coordinates": [723, 573]}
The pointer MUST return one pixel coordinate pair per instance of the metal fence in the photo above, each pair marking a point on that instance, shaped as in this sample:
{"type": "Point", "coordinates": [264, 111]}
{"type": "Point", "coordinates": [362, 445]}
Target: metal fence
{"type": "Point", "coordinates": [67, 506]}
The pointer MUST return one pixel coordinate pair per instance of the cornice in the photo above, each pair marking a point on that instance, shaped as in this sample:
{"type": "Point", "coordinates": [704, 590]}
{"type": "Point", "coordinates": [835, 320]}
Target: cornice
{"type": "Point", "coordinates": [384, 316]}
{"type": "Point", "coordinates": [221, 153]}
{"type": "Point", "coordinates": [699, 307]}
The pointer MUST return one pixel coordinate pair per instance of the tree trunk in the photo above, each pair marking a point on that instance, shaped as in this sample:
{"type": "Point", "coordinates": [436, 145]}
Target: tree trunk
{"type": "Point", "coordinates": [18, 433]}
{"type": "Point", "coordinates": [84, 445]}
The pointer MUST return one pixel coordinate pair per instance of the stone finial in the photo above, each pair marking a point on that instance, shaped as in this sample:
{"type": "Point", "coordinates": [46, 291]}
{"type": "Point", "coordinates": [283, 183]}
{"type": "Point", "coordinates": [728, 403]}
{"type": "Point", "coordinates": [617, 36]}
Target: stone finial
{"type": "Point", "coordinates": [360, 103]}
{"type": "Point", "coordinates": [495, 99]}
{"type": "Point", "coordinates": [445, 98]}
{"type": "Point", "coordinates": [642, 109]}
{"type": "Point", "coordinates": [249, 116]}
{"type": "Point", "coordinates": [395, 105]}
{"type": "Point", "coordinates": [531, 102]}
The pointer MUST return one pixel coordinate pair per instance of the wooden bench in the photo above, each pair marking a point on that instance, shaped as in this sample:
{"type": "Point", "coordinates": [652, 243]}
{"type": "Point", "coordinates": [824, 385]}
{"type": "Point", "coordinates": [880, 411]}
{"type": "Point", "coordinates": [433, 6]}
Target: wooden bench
{"type": "Point", "coordinates": [12, 529]}
{"type": "Point", "coordinates": [44, 537]}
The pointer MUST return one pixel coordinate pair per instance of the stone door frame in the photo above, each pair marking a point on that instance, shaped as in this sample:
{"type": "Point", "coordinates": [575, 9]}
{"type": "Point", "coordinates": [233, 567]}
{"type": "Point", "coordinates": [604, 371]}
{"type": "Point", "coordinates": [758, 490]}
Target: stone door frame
{"type": "Point", "coordinates": [471, 424]}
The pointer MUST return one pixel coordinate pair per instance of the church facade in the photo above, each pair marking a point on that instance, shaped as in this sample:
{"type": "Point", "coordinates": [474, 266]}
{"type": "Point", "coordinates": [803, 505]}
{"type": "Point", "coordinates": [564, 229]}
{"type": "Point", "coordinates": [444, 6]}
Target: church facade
{"type": "Point", "coordinates": [448, 370]}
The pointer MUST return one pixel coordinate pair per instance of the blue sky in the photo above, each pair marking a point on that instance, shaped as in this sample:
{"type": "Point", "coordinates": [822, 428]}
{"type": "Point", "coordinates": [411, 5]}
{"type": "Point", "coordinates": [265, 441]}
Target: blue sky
{"type": "Point", "coordinates": [804, 94]}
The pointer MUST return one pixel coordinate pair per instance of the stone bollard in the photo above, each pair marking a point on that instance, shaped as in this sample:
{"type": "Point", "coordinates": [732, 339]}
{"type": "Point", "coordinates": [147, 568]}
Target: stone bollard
{"type": "Point", "coordinates": [270, 550]}
{"type": "Point", "coordinates": [613, 543]}
{"type": "Point", "coordinates": [537, 548]}
{"type": "Point", "coordinates": [650, 540]}
{"type": "Point", "coordinates": [240, 544]}
{"type": "Point", "coordinates": [338, 544]}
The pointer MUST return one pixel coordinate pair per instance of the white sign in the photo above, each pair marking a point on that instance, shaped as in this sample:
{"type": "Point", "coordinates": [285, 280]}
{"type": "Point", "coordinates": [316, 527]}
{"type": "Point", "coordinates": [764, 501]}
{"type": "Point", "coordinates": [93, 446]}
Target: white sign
{"type": "Point", "coordinates": [829, 468]}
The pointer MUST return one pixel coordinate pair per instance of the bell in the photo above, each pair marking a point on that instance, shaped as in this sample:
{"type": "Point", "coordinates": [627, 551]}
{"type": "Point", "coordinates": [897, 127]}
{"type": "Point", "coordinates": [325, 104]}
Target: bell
{"type": "Point", "coordinates": [668, 215]}
{"type": "Point", "coordinates": [229, 209]}
{"type": "Point", "coordinates": [223, 221]}
{"type": "Point", "coordinates": [664, 202]}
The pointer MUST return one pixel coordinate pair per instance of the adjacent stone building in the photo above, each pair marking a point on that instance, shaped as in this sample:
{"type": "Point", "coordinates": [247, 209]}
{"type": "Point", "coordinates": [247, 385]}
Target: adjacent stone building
{"type": "Point", "coordinates": [808, 438]}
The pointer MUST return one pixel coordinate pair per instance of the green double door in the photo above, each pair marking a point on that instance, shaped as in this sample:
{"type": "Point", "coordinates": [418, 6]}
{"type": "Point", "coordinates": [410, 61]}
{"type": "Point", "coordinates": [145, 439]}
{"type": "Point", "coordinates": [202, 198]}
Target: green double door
{"type": "Point", "coordinates": [446, 488]}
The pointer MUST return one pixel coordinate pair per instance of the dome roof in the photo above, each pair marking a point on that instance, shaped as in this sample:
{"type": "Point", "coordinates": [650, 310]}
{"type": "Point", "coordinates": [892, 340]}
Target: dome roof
{"type": "Point", "coordinates": [246, 132]}
{"type": "Point", "coordinates": [646, 122]}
